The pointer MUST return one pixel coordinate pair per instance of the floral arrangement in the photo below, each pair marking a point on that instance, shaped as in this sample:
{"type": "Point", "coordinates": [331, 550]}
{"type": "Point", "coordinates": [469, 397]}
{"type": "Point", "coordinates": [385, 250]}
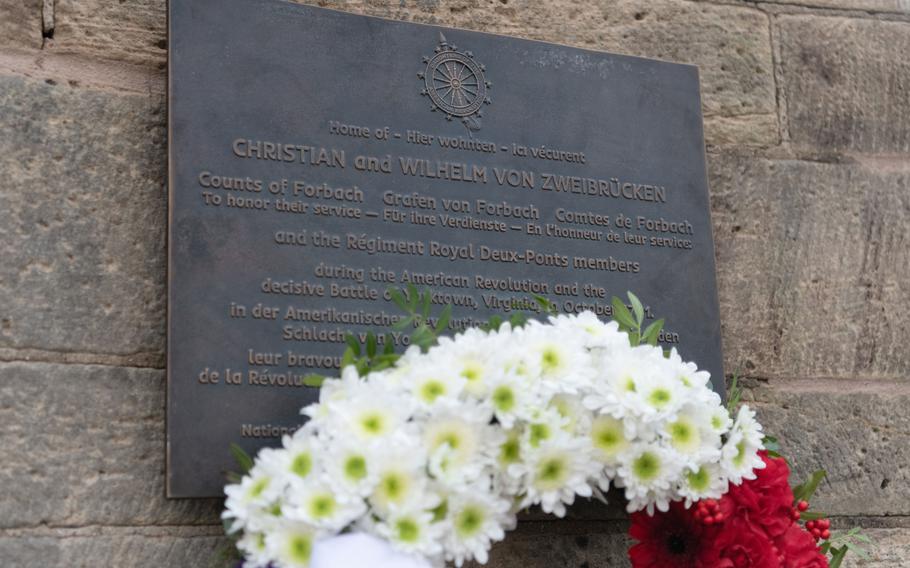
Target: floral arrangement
{"type": "Point", "coordinates": [436, 450]}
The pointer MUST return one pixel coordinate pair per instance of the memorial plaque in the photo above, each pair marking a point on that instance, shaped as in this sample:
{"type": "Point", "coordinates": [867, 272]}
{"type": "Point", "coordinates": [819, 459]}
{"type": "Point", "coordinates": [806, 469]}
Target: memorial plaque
{"type": "Point", "coordinates": [318, 157]}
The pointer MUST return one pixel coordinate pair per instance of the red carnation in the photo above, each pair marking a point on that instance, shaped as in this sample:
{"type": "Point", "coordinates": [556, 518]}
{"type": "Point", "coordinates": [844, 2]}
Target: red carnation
{"type": "Point", "coordinates": [799, 549]}
{"type": "Point", "coordinates": [667, 539]}
{"type": "Point", "coordinates": [740, 544]}
{"type": "Point", "coordinates": [767, 499]}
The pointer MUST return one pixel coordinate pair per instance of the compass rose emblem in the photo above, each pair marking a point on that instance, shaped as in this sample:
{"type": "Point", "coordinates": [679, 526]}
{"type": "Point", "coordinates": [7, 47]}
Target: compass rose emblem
{"type": "Point", "coordinates": [455, 84]}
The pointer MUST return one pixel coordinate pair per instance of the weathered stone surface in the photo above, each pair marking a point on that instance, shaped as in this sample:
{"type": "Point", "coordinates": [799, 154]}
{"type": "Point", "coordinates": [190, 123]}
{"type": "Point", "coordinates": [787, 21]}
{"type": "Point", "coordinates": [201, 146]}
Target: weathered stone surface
{"type": "Point", "coordinates": [890, 549]}
{"type": "Point", "coordinates": [89, 448]}
{"type": "Point", "coordinates": [173, 547]}
{"type": "Point", "coordinates": [858, 432]}
{"type": "Point", "coordinates": [130, 30]}
{"type": "Point", "coordinates": [883, 6]}
{"type": "Point", "coordinates": [21, 23]}
{"type": "Point", "coordinates": [82, 227]}
{"type": "Point", "coordinates": [847, 84]}
{"type": "Point", "coordinates": [730, 44]}
{"type": "Point", "coordinates": [813, 267]}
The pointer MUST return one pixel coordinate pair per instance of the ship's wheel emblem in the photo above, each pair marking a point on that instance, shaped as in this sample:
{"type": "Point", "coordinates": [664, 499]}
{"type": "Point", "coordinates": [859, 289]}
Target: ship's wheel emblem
{"type": "Point", "coordinates": [455, 84]}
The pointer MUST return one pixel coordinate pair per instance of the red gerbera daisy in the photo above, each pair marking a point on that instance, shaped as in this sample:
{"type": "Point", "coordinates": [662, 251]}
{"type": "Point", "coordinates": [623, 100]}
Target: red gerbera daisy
{"type": "Point", "coordinates": [667, 539]}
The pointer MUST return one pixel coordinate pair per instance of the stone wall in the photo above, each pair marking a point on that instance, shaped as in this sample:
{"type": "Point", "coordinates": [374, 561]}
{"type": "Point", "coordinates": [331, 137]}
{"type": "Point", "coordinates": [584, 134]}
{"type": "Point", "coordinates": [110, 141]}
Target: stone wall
{"type": "Point", "coordinates": [807, 112]}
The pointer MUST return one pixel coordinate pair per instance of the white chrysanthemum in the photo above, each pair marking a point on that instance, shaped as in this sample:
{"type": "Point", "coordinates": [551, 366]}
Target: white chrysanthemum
{"type": "Point", "coordinates": [705, 481]}
{"type": "Point", "coordinates": [596, 333]}
{"type": "Point", "coordinates": [430, 385]}
{"type": "Point", "coordinates": [739, 456]}
{"type": "Point", "coordinates": [461, 442]}
{"type": "Point", "coordinates": [577, 418]}
{"type": "Point", "coordinates": [369, 414]}
{"type": "Point", "coordinates": [608, 441]}
{"type": "Point", "coordinates": [690, 434]}
{"type": "Point", "coordinates": [255, 552]}
{"type": "Point", "coordinates": [334, 391]}
{"type": "Point", "coordinates": [475, 521]}
{"type": "Point", "coordinates": [401, 480]}
{"type": "Point", "coordinates": [565, 365]}
{"type": "Point", "coordinates": [297, 460]}
{"type": "Point", "coordinates": [511, 399]}
{"type": "Point", "coordinates": [649, 472]}
{"type": "Point", "coordinates": [413, 532]}
{"type": "Point", "coordinates": [291, 545]}
{"type": "Point", "coordinates": [622, 381]}
{"type": "Point", "coordinates": [252, 497]}
{"type": "Point", "coordinates": [316, 504]}
{"type": "Point", "coordinates": [719, 419]}
{"type": "Point", "coordinates": [350, 469]}
{"type": "Point", "coordinates": [688, 374]}
{"type": "Point", "coordinates": [555, 472]}
{"type": "Point", "coordinates": [471, 356]}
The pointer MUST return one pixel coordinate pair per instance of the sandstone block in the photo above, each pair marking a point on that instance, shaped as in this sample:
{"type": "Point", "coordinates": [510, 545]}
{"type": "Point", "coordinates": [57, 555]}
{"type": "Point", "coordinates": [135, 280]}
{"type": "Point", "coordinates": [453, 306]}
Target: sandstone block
{"type": "Point", "coordinates": [89, 448]}
{"type": "Point", "coordinates": [858, 433]}
{"type": "Point", "coordinates": [813, 267]}
{"type": "Point", "coordinates": [890, 549]}
{"type": "Point", "coordinates": [846, 82]}
{"type": "Point", "coordinates": [82, 227]}
{"type": "Point", "coordinates": [730, 44]}
{"type": "Point", "coordinates": [883, 6]}
{"type": "Point", "coordinates": [21, 23]}
{"type": "Point", "coordinates": [132, 30]}
{"type": "Point", "coordinates": [122, 547]}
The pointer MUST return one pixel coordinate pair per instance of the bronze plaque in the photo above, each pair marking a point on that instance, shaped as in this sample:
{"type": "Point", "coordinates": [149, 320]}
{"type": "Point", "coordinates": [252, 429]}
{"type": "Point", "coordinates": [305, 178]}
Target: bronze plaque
{"type": "Point", "coordinates": [318, 157]}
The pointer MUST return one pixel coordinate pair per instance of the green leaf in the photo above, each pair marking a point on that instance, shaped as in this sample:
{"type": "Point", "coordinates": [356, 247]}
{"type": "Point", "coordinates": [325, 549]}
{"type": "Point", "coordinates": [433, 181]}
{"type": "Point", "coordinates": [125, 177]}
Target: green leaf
{"type": "Point", "coordinates": [812, 515]}
{"type": "Point", "coordinates": [518, 319]}
{"type": "Point", "coordinates": [444, 318]}
{"type": "Point", "coordinates": [805, 491]}
{"type": "Point", "coordinates": [242, 458]}
{"type": "Point", "coordinates": [734, 395]}
{"type": "Point", "coordinates": [652, 332]}
{"type": "Point", "coordinates": [413, 297]}
{"type": "Point", "coordinates": [837, 557]}
{"type": "Point", "coordinates": [425, 308]}
{"type": "Point", "coordinates": [348, 358]}
{"type": "Point", "coordinates": [634, 339]}
{"type": "Point", "coordinates": [545, 304]}
{"type": "Point", "coordinates": [399, 299]}
{"type": "Point", "coordinates": [622, 315]}
{"type": "Point", "coordinates": [389, 347]}
{"type": "Point", "coordinates": [371, 344]}
{"type": "Point", "coordinates": [353, 343]}
{"type": "Point", "coordinates": [403, 323]}
{"type": "Point", "coordinates": [771, 444]}
{"type": "Point", "coordinates": [313, 380]}
{"type": "Point", "coordinates": [637, 308]}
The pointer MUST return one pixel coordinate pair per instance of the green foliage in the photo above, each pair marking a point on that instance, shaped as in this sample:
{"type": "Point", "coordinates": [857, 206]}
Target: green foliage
{"type": "Point", "coordinates": [772, 446]}
{"type": "Point", "coordinates": [843, 542]}
{"type": "Point", "coordinates": [242, 458]}
{"type": "Point", "coordinates": [734, 395]}
{"type": "Point", "coordinates": [805, 491]}
{"type": "Point", "coordinates": [631, 321]}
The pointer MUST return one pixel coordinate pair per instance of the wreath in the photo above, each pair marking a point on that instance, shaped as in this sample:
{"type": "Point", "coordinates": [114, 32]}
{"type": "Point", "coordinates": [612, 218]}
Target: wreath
{"type": "Point", "coordinates": [429, 455]}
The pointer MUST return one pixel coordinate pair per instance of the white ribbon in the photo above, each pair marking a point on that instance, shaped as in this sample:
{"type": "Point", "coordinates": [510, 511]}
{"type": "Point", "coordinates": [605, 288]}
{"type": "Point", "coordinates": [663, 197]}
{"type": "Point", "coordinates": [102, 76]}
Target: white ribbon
{"type": "Point", "coordinates": [359, 550]}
